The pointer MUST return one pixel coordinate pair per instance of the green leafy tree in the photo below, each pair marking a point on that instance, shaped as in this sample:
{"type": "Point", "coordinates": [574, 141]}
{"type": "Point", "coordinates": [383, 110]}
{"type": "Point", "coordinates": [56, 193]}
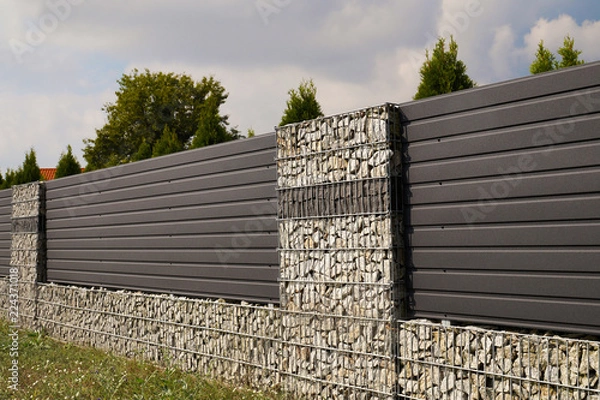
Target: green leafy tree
{"type": "Point", "coordinates": [570, 56]}
{"type": "Point", "coordinates": [251, 133]}
{"type": "Point", "coordinates": [167, 144]}
{"type": "Point", "coordinates": [67, 164]}
{"type": "Point", "coordinates": [144, 152]}
{"type": "Point", "coordinates": [147, 103]}
{"type": "Point", "coordinates": [302, 104]}
{"type": "Point", "coordinates": [443, 72]}
{"type": "Point", "coordinates": [544, 60]}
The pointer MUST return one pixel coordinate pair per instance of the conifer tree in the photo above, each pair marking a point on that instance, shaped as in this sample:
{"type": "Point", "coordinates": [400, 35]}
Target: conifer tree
{"type": "Point", "coordinates": [30, 171]}
{"type": "Point", "coordinates": [167, 144]}
{"type": "Point", "coordinates": [67, 165]}
{"type": "Point", "coordinates": [302, 104]}
{"type": "Point", "coordinates": [443, 72]}
{"type": "Point", "coordinates": [570, 56]}
{"type": "Point", "coordinates": [544, 60]}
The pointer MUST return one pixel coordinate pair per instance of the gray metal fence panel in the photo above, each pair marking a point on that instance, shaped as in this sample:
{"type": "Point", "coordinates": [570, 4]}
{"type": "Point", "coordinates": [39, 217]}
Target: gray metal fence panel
{"type": "Point", "coordinates": [503, 203]}
{"type": "Point", "coordinates": [198, 223]}
{"type": "Point", "coordinates": [5, 230]}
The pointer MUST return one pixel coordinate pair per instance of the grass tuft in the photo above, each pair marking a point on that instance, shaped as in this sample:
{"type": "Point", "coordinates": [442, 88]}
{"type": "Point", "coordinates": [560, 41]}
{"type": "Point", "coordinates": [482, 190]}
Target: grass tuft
{"type": "Point", "coordinates": [52, 370]}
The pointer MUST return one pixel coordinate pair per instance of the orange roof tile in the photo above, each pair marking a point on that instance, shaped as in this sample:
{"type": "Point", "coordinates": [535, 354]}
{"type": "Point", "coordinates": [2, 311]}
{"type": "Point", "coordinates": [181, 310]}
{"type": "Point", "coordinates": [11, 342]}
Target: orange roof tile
{"type": "Point", "coordinates": [48, 173]}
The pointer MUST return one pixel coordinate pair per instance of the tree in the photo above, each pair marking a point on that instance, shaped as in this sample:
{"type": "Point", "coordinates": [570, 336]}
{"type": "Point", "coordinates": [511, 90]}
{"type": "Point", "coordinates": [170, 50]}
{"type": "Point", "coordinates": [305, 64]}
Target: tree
{"type": "Point", "coordinates": [302, 104]}
{"type": "Point", "coordinates": [9, 178]}
{"type": "Point", "coordinates": [544, 60]}
{"type": "Point", "coordinates": [30, 171]}
{"type": "Point", "coordinates": [211, 129]}
{"type": "Point", "coordinates": [146, 104]}
{"type": "Point", "coordinates": [67, 164]}
{"type": "Point", "coordinates": [251, 133]}
{"type": "Point", "coordinates": [443, 72]}
{"type": "Point", "coordinates": [570, 56]}
{"type": "Point", "coordinates": [167, 144]}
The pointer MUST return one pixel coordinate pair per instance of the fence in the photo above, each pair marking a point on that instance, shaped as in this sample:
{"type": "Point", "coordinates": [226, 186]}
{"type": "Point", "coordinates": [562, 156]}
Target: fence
{"type": "Point", "coordinates": [5, 229]}
{"type": "Point", "coordinates": [361, 226]}
{"type": "Point", "coordinates": [198, 223]}
{"type": "Point", "coordinates": [503, 201]}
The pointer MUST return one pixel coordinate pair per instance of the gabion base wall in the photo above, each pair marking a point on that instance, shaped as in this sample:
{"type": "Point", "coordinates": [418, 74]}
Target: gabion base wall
{"type": "Point", "coordinates": [317, 355]}
{"type": "Point", "coordinates": [228, 341]}
{"type": "Point", "coordinates": [440, 362]}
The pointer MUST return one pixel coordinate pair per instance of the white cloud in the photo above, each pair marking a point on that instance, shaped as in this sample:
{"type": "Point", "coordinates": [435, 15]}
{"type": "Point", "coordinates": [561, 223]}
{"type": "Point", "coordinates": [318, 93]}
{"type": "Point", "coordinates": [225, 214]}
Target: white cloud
{"type": "Point", "coordinates": [507, 55]}
{"type": "Point", "coordinates": [552, 32]}
{"type": "Point", "coordinates": [358, 53]}
{"type": "Point", "coordinates": [501, 53]}
{"type": "Point", "coordinates": [48, 124]}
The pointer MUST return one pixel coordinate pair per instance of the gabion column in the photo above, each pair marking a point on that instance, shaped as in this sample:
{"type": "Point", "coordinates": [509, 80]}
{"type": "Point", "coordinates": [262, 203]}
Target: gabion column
{"type": "Point", "coordinates": [341, 273]}
{"type": "Point", "coordinates": [27, 252]}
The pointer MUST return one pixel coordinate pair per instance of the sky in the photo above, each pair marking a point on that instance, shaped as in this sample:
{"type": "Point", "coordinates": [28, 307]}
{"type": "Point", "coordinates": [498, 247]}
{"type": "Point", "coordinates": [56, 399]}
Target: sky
{"type": "Point", "coordinates": [60, 59]}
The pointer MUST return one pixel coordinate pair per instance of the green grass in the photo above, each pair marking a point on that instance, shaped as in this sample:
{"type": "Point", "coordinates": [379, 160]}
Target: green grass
{"type": "Point", "coordinates": [52, 370]}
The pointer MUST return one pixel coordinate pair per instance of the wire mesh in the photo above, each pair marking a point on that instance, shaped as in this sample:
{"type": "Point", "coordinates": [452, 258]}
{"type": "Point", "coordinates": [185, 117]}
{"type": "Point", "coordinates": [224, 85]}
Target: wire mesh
{"type": "Point", "coordinates": [439, 362]}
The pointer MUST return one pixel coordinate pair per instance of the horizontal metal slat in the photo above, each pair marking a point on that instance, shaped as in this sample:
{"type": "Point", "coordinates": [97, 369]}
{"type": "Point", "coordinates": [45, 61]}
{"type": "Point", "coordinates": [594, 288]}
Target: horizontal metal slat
{"type": "Point", "coordinates": [527, 310]}
{"type": "Point", "coordinates": [515, 138]}
{"type": "Point", "coordinates": [555, 234]}
{"type": "Point", "coordinates": [200, 227]}
{"type": "Point", "coordinates": [523, 162]}
{"type": "Point", "coordinates": [211, 182]}
{"type": "Point", "coordinates": [238, 272]}
{"type": "Point", "coordinates": [519, 284]}
{"type": "Point", "coordinates": [240, 210]}
{"type": "Point", "coordinates": [226, 289]}
{"type": "Point", "coordinates": [512, 324]}
{"type": "Point", "coordinates": [536, 209]}
{"type": "Point", "coordinates": [555, 259]}
{"type": "Point", "coordinates": [228, 149]}
{"type": "Point", "coordinates": [233, 240]}
{"type": "Point", "coordinates": [211, 256]}
{"type": "Point", "coordinates": [179, 172]}
{"type": "Point", "coordinates": [518, 113]}
{"type": "Point", "coordinates": [77, 208]}
{"type": "Point", "coordinates": [512, 186]}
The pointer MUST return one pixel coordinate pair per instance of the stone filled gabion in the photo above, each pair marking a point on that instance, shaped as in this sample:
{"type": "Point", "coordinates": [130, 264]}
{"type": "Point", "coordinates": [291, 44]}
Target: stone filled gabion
{"type": "Point", "coordinates": [327, 251]}
{"type": "Point", "coordinates": [342, 148]}
{"type": "Point", "coordinates": [337, 258]}
{"type": "Point", "coordinates": [228, 341]}
{"type": "Point", "coordinates": [27, 246]}
{"type": "Point", "coordinates": [439, 362]}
